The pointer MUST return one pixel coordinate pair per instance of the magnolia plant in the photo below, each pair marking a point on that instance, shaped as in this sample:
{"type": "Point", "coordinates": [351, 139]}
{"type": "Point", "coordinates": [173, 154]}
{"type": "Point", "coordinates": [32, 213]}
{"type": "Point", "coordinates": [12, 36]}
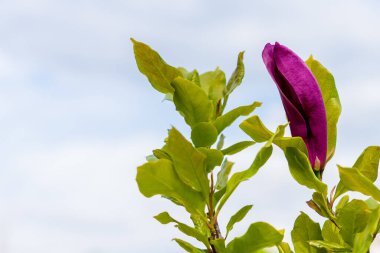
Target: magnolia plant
{"type": "Point", "coordinates": [195, 173]}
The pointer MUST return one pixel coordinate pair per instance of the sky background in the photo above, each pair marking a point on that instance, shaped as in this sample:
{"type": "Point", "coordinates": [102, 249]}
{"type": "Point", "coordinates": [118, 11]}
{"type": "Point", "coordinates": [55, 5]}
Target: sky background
{"type": "Point", "coordinates": [77, 118]}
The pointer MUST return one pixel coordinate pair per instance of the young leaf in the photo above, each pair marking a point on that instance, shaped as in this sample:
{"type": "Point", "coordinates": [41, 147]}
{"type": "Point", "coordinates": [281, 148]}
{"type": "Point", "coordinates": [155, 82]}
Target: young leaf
{"type": "Point", "coordinates": [223, 174]}
{"type": "Point", "coordinates": [367, 164]}
{"type": "Point", "coordinates": [259, 235]}
{"type": "Point", "coordinates": [191, 101]}
{"type": "Point", "coordinates": [159, 178]}
{"type": "Point", "coordinates": [321, 201]}
{"type": "Point", "coordinates": [255, 128]}
{"type": "Point", "coordinates": [237, 217]}
{"type": "Point", "coordinates": [260, 159]}
{"type": "Point", "coordinates": [220, 144]}
{"type": "Point", "coordinates": [192, 76]}
{"type": "Point", "coordinates": [237, 147]}
{"type": "Point", "coordinates": [188, 162]}
{"type": "Point", "coordinates": [158, 72]}
{"type": "Point", "coordinates": [165, 218]}
{"type": "Point", "coordinates": [302, 172]}
{"type": "Point", "coordinates": [331, 100]}
{"type": "Point", "coordinates": [187, 246]}
{"type": "Point", "coordinates": [214, 84]}
{"type": "Point", "coordinates": [237, 76]}
{"type": "Point", "coordinates": [353, 180]}
{"type": "Point", "coordinates": [227, 119]}
{"type": "Point", "coordinates": [305, 230]}
{"type": "Point", "coordinates": [353, 219]}
{"type": "Point", "coordinates": [214, 158]}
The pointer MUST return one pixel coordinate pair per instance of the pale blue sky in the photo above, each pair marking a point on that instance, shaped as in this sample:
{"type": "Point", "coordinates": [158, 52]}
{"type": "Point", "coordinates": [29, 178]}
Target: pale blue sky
{"type": "Point", "coordinates": [77, 117]}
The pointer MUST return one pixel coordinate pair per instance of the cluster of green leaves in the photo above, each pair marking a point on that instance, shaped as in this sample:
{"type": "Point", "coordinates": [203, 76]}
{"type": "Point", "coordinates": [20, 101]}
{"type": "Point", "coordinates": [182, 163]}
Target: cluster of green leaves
{"type": "Point", "coordinates": [182, 171]}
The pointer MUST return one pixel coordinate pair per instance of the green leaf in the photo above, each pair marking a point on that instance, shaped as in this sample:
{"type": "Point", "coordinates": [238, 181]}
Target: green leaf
{"type": "Point", "coordinates": [159, 178]}
{"type": "Point", "coordinates": [188, 162]}
{"type": "Point", "coordinates": [191, 101]}
{"type": "Point", "coordinates": [200, 224]}
{"type": "Point", "coordinates": [330, 246]}
{"type": "Point", "coordinates": [364, 239]}
{"type": "Point", "coordinates": [220, 143]}
{"type": "Point", "coordinates": [354, 180]}
{"type": "Point", "coordinates": [192, 76]}
{"type": "Point", "coordinates": [158, 72]}
{"type": "Point", "coordinates": [331, 233]}
{"type": "Point", "coordinates": [204, 134]}
{"type": "Point", "coordinates": [259, 235]}
{"type": "Point", "coordinates": [161, 154]}
{"type": "Point", "coordinates": [305, 230]}
{"type": "Point", "coordinates": [237, 76]}
{"type": "Point", "coordinates": [260, 159]}
{"type": "Point", "coordinates": [302, 172]}
{"type": "Point", "coordinates": [214, 158]}
{"type": "Point", "coordinates": [321, 201]}
{"type": "Point", "coordinates": [219, 245]}
{"type": "Point", "coordinates": [165, 218]}
{"type": "Point", "coordinates": [367, 164]}
{"type": "Point", "coordinates": [214, 84]}
{"type": "Point", "coordinates": [218, 195]}
{"type": "Point", "coordinates": [237, 147]}
{"type": "Point", "coordinates": [223, 174]}
{"type": "Point", "coordinates": [255, 128]}
{"type": "Point", "coordinates": [353, 219]}
{"type": "Point", "coordinates": [187, 246]}
{"type": "Point", "coordinates": [227, 119]}
{"type": "Point", "coordinates": [237, 217]}
{"type": "Point", "coordinates": [342, 202]}
{"type": "Point", "coordinates": [284, 248]}
{"type": "Point", "coordinates": [331, 100]}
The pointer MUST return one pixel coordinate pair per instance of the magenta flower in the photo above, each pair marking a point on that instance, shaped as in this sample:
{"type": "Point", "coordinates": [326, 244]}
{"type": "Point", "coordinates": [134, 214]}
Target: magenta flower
{"type": "Point", "coordinates": [302, 100]}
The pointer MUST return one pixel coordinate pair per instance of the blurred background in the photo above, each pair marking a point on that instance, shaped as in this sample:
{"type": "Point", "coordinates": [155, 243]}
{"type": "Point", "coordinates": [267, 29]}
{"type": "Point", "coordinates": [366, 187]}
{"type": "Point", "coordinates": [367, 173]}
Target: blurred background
{"type": "Point", "coordinates": [77, 118]}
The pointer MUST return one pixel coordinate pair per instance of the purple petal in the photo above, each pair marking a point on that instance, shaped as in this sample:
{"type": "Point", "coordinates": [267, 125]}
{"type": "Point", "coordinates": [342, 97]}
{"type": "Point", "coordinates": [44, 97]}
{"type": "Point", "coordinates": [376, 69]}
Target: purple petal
{"type": "Point", "coordinates": [301, 97]}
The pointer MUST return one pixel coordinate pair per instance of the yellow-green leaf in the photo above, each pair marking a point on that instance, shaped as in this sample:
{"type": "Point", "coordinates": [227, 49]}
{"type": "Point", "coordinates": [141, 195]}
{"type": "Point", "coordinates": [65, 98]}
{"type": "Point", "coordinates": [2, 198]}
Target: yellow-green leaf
{"type": "Point", "coordinates": [255, 128]}
{"type": "Point", "coordinates": [150, 63]}
{"type": "Point", "coordinates": [331, 100]}
{"type": "Point", "coordinates": [188, 162]}
{"type": "Point", "coordinates": [259, 235]}
{"type": "Point", "coordinates": [213, 83]}
{"type": "Point", "coordinates": [191, 101]}
{"type": "Point", "coordinates": [302, 172]}
{"type": "Point", "coordinates": [159, 178]}
{"type": "Point", "coordinates": [237, 217]}
{"type": "Point", "coordinates": [237, 76]}
{"type": "Point", "coordinates": [227, 119]}
{"type": "Point", "coordinates": [305, 230]}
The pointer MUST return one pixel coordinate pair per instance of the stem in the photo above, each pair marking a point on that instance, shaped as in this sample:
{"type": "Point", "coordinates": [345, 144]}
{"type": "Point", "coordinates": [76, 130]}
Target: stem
{"type": "Point", "coordinates": [213, 225]}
